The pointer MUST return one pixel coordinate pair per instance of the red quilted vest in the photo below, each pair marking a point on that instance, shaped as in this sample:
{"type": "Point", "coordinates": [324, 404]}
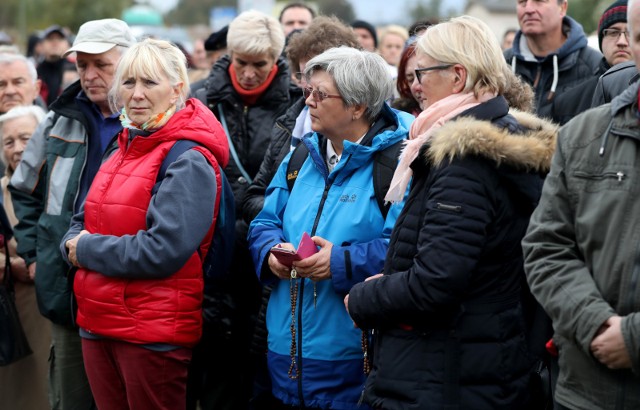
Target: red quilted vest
{"type": "Point", "coordinates": [144, 311]}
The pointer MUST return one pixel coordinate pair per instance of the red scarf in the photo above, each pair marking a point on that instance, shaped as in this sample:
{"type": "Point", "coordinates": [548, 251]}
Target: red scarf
{"type": "Point", "coordinates": [250, 97]}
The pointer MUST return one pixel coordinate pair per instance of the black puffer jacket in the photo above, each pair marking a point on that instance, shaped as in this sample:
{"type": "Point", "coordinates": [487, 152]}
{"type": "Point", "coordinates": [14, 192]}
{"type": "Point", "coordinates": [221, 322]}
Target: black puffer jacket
{"type": "Point", "coordinates": [249, 127]}
{"type": "Point", "coordinates": [450, 332]}
{"type": "Point", "coordinates": [279, 147]}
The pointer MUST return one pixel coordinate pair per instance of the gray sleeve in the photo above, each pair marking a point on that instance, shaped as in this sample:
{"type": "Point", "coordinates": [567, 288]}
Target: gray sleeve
{"type": "Point", "coordinates": [598, 95]}
{"type": "Point", "coordinates": [179, 216]}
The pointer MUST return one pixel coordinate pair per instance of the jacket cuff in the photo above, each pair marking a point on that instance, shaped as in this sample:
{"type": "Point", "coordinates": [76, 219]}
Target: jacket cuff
{"type": "Point", "coordinates": [629, 326]}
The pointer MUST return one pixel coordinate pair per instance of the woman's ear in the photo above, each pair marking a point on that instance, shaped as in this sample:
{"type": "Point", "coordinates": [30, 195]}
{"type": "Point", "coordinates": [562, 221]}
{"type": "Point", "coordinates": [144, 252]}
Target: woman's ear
{"type": "Point", "coordinates": [177, 90]}
{"type": "Point", "coordinates": [460, 78]}
{"type": "Point", "coordinates": [358, 111]}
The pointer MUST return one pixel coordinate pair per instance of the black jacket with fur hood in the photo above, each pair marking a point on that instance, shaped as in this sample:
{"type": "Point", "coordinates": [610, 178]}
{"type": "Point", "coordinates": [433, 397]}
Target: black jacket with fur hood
{"type": "Point", "coordinates": [450, 331]}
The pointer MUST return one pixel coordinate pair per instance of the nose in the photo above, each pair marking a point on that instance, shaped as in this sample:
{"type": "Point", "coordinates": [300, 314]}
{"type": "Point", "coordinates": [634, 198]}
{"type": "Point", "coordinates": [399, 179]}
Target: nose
{"type": "Point", "coordinates": [10, 88]}
{"type": "Point", "coordinates": [622, 39]}
{"type": "Point", "coordinates": [90, 72]}
{"type": "Point", "coordinates": [138, 92]}
{"type": "Point", "coordinates": [20, 145]}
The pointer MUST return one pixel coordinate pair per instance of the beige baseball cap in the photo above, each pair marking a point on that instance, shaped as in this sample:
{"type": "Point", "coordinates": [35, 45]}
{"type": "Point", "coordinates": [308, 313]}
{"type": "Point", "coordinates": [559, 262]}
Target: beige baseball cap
{"type": "Point", "coordinates": [100, 36]}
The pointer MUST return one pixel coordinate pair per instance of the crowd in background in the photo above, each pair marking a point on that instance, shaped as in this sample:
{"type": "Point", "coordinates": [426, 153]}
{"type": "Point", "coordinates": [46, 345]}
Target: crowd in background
{"type": "Point", "coordinates": [456, 214]}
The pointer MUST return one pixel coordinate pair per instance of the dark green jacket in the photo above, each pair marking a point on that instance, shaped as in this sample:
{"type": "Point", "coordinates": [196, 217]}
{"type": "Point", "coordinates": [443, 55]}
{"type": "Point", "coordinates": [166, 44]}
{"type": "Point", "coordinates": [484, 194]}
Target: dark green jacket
{"type": "Point", "coordinates": [582, 251]}
{"type": "Point", "coordinates": [44, 190]}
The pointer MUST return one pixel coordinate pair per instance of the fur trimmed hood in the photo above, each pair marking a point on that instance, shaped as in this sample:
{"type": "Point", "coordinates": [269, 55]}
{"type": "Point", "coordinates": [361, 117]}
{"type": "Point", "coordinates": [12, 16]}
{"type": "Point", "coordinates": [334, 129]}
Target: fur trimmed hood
{"type": "Point", "coordinates": [530, 151]}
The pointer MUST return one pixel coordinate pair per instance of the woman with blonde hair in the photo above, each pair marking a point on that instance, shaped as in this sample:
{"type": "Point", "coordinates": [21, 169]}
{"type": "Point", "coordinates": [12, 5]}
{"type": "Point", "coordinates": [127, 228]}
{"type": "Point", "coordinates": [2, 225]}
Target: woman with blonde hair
{"type": "Point", "coordinates": [139, 241]}
{"type": "Point", "coordinates": [447, 309]}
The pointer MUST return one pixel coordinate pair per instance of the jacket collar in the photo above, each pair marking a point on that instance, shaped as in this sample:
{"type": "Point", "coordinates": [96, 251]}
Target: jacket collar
{"type": "Point", "coordinates": [517, 139]}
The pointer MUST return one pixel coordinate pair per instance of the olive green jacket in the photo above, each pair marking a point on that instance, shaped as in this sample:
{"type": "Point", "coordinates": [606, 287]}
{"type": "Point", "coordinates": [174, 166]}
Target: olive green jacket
{"type": "Point", "coordinates": [582, 251]}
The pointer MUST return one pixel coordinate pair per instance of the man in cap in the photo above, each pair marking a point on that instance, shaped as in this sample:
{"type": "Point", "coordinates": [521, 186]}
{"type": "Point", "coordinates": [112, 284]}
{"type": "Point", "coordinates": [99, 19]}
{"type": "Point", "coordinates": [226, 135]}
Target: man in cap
{"type": "Point", "coordinates": [50, 184]}
{"type": "Point", "coordinates": [54, 44]}
{"type": "Point", "coordinates": [613, 40]}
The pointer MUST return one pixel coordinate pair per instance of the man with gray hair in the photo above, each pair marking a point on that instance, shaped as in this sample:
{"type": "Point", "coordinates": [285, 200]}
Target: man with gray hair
{"type": "Point", "coordinates": [19, 84]}
{"type": "Point", "coordinates": [50, 184]}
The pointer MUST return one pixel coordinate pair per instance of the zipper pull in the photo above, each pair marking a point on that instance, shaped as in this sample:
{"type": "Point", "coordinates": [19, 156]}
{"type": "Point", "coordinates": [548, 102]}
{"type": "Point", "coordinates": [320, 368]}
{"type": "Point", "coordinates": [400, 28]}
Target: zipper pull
{"type": "Point", "coordinates": [620, 175]}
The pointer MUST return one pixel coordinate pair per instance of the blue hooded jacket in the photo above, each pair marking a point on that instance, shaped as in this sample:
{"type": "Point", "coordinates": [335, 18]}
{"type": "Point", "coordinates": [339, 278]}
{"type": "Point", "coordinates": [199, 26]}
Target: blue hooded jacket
{"type": "Point", "coordinates": [557, 72]}
{"type": "Point", "coordinates": [340, 207]}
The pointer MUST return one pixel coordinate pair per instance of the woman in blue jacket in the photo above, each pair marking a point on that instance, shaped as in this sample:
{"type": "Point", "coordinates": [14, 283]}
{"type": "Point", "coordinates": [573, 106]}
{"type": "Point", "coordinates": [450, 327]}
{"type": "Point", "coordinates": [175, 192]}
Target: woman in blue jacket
{"type": "Point", "coordinates": [315, 355]}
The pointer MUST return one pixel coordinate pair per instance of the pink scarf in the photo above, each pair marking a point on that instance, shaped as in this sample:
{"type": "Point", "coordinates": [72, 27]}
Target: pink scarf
{"type": "Point", "coordinates": [421, 131]}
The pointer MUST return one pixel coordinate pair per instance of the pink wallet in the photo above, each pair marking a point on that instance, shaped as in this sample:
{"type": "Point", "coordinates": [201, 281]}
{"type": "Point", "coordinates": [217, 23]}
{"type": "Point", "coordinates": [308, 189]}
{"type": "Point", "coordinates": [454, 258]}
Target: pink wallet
{"type": "Point", "coordinates": [306, 248]}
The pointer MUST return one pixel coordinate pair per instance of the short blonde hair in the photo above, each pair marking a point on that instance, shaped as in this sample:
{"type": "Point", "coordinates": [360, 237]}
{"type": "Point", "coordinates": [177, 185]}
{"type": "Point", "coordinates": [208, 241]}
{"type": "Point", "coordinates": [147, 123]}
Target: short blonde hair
{"type": "Point", "coordinates": [153, 59]}
{"type": "Point", "coordinates": [254, 33]}
{"type": "Point", "coordinates": [469, 42]}
{"type": "Point", "coordinates": [394, 29]}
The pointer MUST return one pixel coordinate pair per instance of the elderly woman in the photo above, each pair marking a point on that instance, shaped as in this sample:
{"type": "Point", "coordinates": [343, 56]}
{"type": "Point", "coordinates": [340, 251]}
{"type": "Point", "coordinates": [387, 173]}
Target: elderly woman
{"type": "Point", "coordinates": [450, 330]}
{"type": "Point", "coordinates": [246, 90]}
{"type": "Point", "coordinates": [23, 383]}
{"type": "Point", "coordinates": [138, 242]}
{"type": "Point", "coordinates": [315, 356]}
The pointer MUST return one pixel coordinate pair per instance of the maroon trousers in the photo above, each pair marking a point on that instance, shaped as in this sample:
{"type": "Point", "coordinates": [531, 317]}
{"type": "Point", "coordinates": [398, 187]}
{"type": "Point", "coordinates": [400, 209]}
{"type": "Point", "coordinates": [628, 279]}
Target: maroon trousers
{"type": "Point", "coordinates": [126, 376]}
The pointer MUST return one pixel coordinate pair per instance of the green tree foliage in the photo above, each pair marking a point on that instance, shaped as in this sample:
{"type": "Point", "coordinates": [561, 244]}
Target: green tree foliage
{"type": "Point", "coordinates": [587, 12]}
{"type": "Point", "coordinates": [40, 14]}
{"type": "Point", "coordinates": [339, 8]}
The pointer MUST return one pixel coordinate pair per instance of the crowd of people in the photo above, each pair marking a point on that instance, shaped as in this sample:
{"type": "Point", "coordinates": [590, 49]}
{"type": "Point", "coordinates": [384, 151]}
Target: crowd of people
{"type": "Point", "coordinates": [417, 217]}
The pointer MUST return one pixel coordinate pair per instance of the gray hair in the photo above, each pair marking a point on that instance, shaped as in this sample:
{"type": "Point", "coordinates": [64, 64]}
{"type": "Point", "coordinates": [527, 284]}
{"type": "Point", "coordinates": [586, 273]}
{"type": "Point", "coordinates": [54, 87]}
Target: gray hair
{"type": "Point", "coordinates": [361, 77]}
{"type": "Point", "coordinates": [36, 112]}
{"type": "Point", "coordinates": [254, 33]}
{"type": "Point", "coordinates": [8, 58]}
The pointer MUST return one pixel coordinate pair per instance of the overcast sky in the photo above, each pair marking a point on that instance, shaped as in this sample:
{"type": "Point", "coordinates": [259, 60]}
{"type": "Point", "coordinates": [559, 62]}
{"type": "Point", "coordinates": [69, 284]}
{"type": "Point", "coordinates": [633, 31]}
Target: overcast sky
{"type": "Point", "coordinates": [375, 11]}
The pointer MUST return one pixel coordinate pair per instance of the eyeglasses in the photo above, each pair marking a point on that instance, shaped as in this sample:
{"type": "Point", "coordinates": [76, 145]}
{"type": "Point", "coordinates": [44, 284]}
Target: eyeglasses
{"type": "Point", "coordinates": [419, 71]}
{"type": "Point", "coordinates": [298, 76]}
{"type": "Point", "coordinates": [317, 94]}
{"type": "Point", "coordinates": [614, 33]}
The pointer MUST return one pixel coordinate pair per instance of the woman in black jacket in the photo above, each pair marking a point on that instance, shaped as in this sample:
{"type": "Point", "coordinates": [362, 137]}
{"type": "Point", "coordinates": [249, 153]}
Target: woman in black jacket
{"type": "Point", "coordinates": [447, 311]}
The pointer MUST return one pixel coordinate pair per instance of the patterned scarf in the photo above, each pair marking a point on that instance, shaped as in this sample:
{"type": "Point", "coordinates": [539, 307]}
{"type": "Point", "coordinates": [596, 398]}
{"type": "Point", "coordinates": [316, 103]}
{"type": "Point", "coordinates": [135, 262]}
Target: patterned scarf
{"type": "Point", "coordinates": [422, 130]}
{"type": "Point", "coordinates": [152, 124]}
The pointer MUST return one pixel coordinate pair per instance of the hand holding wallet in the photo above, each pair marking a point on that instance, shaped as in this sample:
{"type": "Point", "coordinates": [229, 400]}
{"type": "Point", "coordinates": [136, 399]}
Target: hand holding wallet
{"type": "Point", "coordinates": [306, 248]}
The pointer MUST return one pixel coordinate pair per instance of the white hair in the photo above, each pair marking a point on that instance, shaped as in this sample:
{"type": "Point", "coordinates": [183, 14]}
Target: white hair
{"type": "Point", "coordinates": [8, 58]}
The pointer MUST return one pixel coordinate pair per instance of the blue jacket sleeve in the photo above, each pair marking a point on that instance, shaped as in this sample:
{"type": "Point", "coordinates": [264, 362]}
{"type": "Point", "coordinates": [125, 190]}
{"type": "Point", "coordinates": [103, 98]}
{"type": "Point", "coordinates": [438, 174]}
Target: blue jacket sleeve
{"type": "Point", "coordinates": [179, 216]}
{"type": "Point", "coordinates": [76, 225]}
{"type": "Point", "coordinates": [443, 264]}
{"type": "Point", "coordinates": [265, 231]}
{"type": "Point", "coordinates": [354, 263]}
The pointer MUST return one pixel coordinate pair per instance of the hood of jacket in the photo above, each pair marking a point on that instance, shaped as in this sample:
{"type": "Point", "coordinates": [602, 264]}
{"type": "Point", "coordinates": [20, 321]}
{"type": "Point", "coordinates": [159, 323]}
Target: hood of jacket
{"type": "Point", "coordinates": [194, 122]}
{"type": "Point", "coordinates": [390, 127]}
{"type": "Point", "coordinates": [576, 39]}
{"type": "Point", "coordinates": [520, 144]}
{"type": "Point", "coordinates": [219, 86]}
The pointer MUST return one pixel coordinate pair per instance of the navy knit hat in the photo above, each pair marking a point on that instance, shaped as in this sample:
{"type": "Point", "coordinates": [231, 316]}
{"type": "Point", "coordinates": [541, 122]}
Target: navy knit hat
{"type": "Point", "coordinates": [615, 13]}
{"type": "Point", "coordinates": [367, 26]}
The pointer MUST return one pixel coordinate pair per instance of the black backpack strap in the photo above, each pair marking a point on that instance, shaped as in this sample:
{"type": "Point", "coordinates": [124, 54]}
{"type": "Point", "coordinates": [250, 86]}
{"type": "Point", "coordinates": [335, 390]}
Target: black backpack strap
{"type": "Point", "coordinates": [384, 165]}
{"type": "Point", "coordinates": [179, 148]}
{"type": "Point", "coordinates": [299, 156]}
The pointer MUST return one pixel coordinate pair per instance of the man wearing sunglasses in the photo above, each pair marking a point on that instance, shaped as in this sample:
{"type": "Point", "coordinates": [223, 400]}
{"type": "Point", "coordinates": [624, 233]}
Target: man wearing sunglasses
{"type": "Point", "coordinates": [613, 39]}
{"type": "Point", "coordinates": [550, 51]}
